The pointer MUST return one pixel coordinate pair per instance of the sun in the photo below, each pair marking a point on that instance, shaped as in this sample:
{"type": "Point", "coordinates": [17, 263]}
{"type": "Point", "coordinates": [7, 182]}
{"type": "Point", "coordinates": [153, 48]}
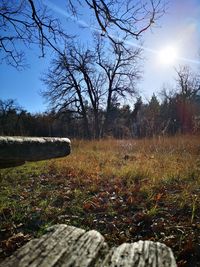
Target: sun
{"type": "Point", "coordinates": [168, 55]}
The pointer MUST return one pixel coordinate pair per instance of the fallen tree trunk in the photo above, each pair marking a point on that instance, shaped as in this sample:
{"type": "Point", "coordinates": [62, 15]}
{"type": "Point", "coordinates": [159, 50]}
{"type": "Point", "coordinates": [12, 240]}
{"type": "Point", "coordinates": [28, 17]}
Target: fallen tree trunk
{"type": "Point", "coordinates": [17, 150]}
{"type": "Point", "coordinates": [69, 246]}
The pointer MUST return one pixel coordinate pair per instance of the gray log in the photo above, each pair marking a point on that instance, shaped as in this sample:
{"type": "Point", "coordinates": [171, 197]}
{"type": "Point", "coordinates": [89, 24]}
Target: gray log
{"type": "Point", "coordinates": [16, 150]}
{"type": "Point", "coordinates": [69, 246]}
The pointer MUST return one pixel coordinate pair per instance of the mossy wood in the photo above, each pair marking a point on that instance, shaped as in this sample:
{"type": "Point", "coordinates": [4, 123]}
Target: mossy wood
{"type": "Point", "coordinates": [69, 246]}
{"type": "Point", "coordinates": [16, 150]}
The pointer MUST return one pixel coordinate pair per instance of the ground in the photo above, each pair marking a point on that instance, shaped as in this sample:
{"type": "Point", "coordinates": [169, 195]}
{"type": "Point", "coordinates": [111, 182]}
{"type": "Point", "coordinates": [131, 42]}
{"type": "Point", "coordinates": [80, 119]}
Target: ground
{"type": "Point", "coordinates": [128, 190]}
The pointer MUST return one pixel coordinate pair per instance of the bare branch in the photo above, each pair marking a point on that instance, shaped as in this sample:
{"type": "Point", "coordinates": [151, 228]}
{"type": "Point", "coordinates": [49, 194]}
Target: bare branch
{"type": "Point", "coordinates": [23, 22]}
{"type": "Point", "coordinates": [124, 19]}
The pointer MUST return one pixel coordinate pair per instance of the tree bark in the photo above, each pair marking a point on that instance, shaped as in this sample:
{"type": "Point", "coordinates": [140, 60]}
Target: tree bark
{"type": "Point", "coordinates": [16, 150]}
{"type": "Point", "coordinates": [69, 246]}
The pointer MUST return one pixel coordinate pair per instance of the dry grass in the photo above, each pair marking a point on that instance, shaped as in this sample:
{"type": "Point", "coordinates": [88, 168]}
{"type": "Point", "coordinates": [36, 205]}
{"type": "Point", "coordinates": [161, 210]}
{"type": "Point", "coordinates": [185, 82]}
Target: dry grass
{"type": "Point", "coordinates": [126, 189]}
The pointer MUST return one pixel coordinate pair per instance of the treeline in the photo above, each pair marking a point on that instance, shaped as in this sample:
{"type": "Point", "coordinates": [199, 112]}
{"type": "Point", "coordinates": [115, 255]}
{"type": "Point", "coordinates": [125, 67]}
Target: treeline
{"type": "Point", "coordinates": [176, 113]}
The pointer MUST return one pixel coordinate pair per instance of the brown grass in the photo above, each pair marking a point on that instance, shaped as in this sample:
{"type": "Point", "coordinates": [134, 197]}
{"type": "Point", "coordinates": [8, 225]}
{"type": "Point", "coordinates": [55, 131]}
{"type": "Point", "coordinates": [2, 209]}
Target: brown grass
{"type": "Point", "coordinates": [126, 189]}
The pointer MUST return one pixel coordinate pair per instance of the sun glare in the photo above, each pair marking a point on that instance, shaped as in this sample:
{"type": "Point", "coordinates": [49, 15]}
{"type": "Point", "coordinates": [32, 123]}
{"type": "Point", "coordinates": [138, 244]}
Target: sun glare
{"type": "Point", "coordinates": [168, 55]}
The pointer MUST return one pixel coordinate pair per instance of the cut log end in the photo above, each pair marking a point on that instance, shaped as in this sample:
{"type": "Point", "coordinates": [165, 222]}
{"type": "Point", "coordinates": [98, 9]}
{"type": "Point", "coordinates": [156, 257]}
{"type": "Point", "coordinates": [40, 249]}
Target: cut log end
{"type": "Point", "coordinates": [68, 246]}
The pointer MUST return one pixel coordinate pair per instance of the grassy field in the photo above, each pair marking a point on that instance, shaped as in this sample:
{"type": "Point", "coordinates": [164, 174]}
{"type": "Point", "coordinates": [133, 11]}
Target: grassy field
{"type": "Point", "coordinates": [126, 189]}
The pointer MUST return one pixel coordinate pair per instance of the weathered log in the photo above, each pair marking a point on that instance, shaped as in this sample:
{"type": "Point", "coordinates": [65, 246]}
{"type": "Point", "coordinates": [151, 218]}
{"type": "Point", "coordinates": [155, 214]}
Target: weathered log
{"type": "Point", "coordinates": [69, 246]}
{"type": "Point", "coordinates": [16, 150]}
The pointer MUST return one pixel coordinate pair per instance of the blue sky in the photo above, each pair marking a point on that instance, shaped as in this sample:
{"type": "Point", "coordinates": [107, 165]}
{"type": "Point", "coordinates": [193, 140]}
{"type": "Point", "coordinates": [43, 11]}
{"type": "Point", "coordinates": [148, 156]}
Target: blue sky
{"type": "Point", "coordinates": [180, 28]}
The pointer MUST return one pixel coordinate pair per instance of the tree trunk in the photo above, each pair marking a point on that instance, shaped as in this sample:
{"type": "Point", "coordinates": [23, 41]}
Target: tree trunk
{"type": "Point", "coordinates": [107, 115]}
{"type": "Point", "coordinates": [96, 125]}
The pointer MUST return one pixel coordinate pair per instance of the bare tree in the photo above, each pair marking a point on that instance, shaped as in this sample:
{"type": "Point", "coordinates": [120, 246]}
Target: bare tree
{"type": "Point", "coordinates": [26, 22]}
{"type": "Point", "coordinates": [74, 84]}
{"type": "Point", "coordinates": [122, 70]}
{"type": "Point", "coordinates": [83, 79]}
{"type": "Point", "coordinates": [188, 83]}
{"type": "Point", "coordinates": [9, 109]}
{"type": "Point", "coordinates": [8, 105]}
{"type": "Point", "coordinates": [188, 89]}
{"type": "Point", "coordinates": [92, 81]}
{"type": "Point", "coordinates": [180, 105]}
{"type": "Point", "coordinates": [119, 19]}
